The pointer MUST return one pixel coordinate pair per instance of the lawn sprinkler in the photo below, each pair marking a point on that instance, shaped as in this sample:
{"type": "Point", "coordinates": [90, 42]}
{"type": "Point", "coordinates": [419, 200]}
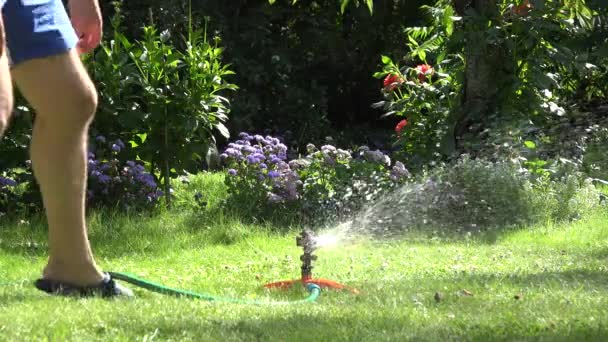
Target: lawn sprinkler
{"type": "Point", "coordinates": [308, 241]}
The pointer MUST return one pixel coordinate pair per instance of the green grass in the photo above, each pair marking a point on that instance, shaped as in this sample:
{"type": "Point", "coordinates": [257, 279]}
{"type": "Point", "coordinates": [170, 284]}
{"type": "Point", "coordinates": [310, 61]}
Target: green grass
{"type": "Point", "coordinates": [558, 272]}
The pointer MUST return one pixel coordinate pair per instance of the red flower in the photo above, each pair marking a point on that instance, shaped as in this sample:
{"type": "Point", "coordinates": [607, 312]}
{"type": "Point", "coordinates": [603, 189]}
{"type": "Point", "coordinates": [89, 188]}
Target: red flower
{"type": "Point", "coordinates": [392, 81]}
{"type": "Point", "coordinates": [424, 70]}
{"type": "Point", "coordinates": [523, 9]}
{"type": "Point", "coordinates": [400, 126]}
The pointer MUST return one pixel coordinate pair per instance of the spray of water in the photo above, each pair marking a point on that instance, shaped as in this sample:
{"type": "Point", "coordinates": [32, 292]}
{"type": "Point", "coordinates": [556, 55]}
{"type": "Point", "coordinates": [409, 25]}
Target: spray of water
{"type": "Point", "coordinates": [429, 207]}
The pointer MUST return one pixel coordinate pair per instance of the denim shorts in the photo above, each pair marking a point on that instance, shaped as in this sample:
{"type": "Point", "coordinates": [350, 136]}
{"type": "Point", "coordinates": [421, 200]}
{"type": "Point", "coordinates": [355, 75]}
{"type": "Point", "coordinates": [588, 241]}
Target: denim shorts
{"type": "Point", "coordinates": [36, 29]}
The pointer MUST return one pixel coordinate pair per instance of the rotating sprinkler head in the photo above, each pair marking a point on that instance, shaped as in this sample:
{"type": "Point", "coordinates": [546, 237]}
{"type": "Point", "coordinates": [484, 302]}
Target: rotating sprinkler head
{"type": "Point", "coordinates": [309, 243]}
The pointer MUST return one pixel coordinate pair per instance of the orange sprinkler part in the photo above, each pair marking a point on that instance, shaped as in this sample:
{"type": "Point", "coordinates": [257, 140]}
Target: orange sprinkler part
{"type": "Point", "coordinates": [307, 241]}
{"type": "Point", "coordinates": [322, 283]}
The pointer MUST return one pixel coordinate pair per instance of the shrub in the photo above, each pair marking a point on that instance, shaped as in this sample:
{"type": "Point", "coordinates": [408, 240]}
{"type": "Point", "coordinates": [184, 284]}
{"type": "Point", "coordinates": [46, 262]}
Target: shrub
{"type": "Point", "coordinates": [478, 195]}
{"type": "Point", "coordinates": [162, 95]}
{"type": "Point", "coordinates": [258, 173]}
{"type": "Point", "coordinates": [7, 194]}
{"type": "Point", "coordinates": [326, 183]}
{"type": "Point", "coordinates": [112, 182]}
{"type": "Point", "coordinates": [595, 161]}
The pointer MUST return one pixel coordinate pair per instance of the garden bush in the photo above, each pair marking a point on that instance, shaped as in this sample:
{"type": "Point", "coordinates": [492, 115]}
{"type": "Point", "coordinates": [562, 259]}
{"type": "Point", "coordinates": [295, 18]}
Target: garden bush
{"type": "Point", "coordinates": [300, 66]}
{"type": "Point", "coordinates": [117, 184]}
{"type": "Point", "coordinates": [162, 95]}
{"type": "Point", "coordinates": [471, 195]}
{"type": "Point", "coordinates": [326, 184]}
{"type": "Point", "coordinates": [8, 197]}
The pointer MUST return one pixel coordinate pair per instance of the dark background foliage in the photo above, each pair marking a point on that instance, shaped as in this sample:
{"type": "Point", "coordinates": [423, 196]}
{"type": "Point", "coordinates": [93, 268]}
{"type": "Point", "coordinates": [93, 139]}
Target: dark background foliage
{"type": "Point", "coordinates": [305, 68]}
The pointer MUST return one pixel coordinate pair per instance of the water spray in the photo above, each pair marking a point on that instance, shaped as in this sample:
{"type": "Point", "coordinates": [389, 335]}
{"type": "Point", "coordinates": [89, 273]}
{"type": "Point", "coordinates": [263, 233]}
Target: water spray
{"type": "Point", "coordinates": [309, 243]}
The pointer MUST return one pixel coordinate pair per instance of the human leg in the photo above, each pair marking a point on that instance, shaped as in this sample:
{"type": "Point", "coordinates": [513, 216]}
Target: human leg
{"type": "Point", "coordinates": [65, 101]}
{"type": "Point", "coordinates": [6, 89]}
{"type": "Point", "coordinates": [49, 73]}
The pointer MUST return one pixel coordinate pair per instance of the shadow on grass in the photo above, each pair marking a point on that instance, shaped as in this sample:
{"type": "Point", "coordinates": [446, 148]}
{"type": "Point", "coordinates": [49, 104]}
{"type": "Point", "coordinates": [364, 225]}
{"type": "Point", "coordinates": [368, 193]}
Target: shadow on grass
{"type": "Point", "coordinates": [354, 326]}
{"type": "Point", "coordinates": [116, 234]}
{"type": "Point", "coordinates": [375, 315]}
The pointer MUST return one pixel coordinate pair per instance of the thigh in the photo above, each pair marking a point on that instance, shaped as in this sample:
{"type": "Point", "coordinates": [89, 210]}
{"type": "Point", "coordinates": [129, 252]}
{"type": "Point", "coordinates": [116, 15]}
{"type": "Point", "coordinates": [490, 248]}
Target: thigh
{"type": "Point", "coordinates": [58, 85]}
{"type": "Point", "coordinates": [6, 91]}
{"type": "Point", "coordinates": [37, 29]}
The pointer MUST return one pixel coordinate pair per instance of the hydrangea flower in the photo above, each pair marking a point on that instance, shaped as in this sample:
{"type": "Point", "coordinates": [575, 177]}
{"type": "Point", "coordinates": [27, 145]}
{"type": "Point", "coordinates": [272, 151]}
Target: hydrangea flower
{"type": "Point", "coordinates": [399, 172]}
{"type": "Point", "coordinates": [111, 181]}
{"type": "Point", "coordinates": [7, 182]}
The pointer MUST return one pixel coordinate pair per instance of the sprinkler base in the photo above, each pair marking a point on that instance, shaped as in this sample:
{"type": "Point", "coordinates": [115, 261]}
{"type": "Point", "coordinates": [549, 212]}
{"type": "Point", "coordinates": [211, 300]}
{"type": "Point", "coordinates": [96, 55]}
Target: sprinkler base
{"type": "Point", "coordinates": [322, 283]}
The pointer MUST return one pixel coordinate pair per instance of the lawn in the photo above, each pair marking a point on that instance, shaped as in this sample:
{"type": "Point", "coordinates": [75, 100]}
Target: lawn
{"type": "Point", "coordinates": [548, 282]}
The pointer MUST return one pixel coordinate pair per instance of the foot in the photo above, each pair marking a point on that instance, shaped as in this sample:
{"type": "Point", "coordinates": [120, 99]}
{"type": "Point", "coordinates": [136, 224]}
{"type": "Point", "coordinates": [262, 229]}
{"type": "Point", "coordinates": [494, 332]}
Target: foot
{"type": "Point", "coordinates": [106, 288]}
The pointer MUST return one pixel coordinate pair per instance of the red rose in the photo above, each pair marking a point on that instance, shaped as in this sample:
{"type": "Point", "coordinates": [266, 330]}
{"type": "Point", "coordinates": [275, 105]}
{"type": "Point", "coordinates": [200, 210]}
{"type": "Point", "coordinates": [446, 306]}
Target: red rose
{"type": "Point", "coordinates": [424, 70]}
{"type": "Point", "coordinates": [400, 126]}
{"type": "Point", "coordinates": [392, 81]}
{"type": "Point", "coordinates": [523, 9]}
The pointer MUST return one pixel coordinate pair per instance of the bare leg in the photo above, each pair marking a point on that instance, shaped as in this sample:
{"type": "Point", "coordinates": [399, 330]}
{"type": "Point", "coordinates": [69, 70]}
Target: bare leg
{"type": "Point", "coordinates": [65, 101]}
{"type": "Point", "coordinates": [6, 89]}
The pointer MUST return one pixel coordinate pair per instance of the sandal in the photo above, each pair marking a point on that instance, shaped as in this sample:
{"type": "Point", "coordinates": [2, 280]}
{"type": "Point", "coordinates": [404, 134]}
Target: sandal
{"type": "Point", "coordinates": [106, 289]}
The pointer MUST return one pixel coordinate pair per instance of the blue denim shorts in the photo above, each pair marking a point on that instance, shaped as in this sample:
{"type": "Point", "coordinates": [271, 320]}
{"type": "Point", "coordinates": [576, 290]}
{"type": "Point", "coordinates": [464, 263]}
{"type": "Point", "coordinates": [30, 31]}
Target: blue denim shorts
{"type": "Point", "coordinates": [36, 29]}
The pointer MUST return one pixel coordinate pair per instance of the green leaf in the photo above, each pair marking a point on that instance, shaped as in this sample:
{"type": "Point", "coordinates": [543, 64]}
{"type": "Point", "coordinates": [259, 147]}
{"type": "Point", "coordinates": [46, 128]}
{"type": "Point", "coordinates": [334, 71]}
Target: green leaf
{"type": "Point", "coordinates": [142, 137]}
{"type": "Point", "coordinates": [448, 21]}
{"type": "Point", "coordinates": [223, 130]}
{"type": "Point", "coordinates": [343, 5]}
{"type": "Point", "coordinates": [370, 5]}
{"type": "Point", "coordinates": [386, 60]}
{"type": "Point", "coordinates": [530, 144]}
{"type": "Point", "coordinates": [271, 1]}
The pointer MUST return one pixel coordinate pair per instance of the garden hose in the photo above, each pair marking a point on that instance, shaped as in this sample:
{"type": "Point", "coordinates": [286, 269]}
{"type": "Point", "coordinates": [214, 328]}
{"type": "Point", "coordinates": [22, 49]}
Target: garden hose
{"type": "Point", "coordinates": [313, 289]}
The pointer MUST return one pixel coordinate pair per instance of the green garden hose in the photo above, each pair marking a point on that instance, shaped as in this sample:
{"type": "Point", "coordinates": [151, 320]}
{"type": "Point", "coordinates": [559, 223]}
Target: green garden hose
{"type": "Point", "coordinates": [313, 289]}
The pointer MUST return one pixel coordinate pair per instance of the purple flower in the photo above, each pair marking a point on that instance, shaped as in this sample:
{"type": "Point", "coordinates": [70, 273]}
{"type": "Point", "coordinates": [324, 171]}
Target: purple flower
{"type": "Point", "coordinates": [299, 164]}
{"type": "Point", "coordinates": [273, 174]}
{"type": "Point", "coordinates": [399, 171]}
{"type": "Point", "coordinates": [274, 198]}
{"type": "Point", "coordinates": [232, 172]}
{"type": "Point", "coordinates": [231, 152]}
{"type": "Point", "coordinates": [104, 179]}
{"type": "Point", "coordinates": [7, 182]}
{"type": "Point", "coordinates": [251, 159]}
{"type": "Point", "coordinates": [259, 156]}
{"type": "Point", "coordinates": [116, 148]}
{"type": "Point", "coordinates": [249, 149]}
{"type": "Point", "coordinates": [100, 139]}
{"type": "Point", "coordinates": [263, 166]}
{"type": "Point", "coordinates": [119, 143]}
{"type": "Point", "coordinates": [243, 135]}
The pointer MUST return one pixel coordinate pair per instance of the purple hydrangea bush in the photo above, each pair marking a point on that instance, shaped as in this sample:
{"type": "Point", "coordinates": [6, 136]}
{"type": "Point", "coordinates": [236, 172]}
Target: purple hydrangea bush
{"type": "Point", "coordinates": [7, 194]}
{"type": "Point", "coordinates": [260, 174]}
{"type": "Point", "coordinates": [340, 181]}
{"type": "Point", "coordinates": [112, 182]}
{"type": "Point", "coordinates": [258, 171]}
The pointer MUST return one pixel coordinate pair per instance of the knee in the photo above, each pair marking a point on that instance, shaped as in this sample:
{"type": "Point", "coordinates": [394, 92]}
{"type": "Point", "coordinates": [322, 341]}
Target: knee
{"type": "Point", "coordinates": [84, 103]}
{"type": "Point", "coordinates": [74, 111]}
